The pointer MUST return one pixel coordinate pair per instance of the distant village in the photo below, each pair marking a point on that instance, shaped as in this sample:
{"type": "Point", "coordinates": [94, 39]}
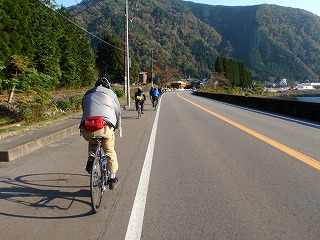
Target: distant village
{"type": "Point", "coordinates": [283, 85]}
{"type": "Point", "coordinates": [197, 83]}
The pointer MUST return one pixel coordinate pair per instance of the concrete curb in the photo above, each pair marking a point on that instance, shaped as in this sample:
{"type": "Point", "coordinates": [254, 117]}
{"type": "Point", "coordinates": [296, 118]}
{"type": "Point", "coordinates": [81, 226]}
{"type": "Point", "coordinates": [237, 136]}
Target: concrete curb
{"type": "Point", "coordinates": [16, 152]}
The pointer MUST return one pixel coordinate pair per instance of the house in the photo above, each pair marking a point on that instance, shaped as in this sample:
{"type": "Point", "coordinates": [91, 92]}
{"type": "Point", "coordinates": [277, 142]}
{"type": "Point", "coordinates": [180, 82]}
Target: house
{"type": "Point", "coordinates": [197, 83]}
{"type": "Point", "coordinates": [208, 81]}
{"type": "Point", "coordinates": [143, 78]}
{"type": "Point", "coordinates": [305, 86]}
{"type": "Point", "coordinates": [179, 84]}
{"type": "Point", "coordinates": [308, 86]}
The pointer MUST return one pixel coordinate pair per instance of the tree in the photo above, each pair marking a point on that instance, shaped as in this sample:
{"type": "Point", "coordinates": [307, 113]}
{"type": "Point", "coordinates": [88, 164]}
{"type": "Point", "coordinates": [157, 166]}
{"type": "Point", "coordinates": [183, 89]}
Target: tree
{"type": "Point", "coordinates": [56, 53]}
{"type": "Point", "coordinates": [219, 64]}
{"type": "Point", "coordinates": [235, 71]}
{"type": "Point", "coordinates": [19, 65]}
{"type": "Point", "coordinates": [14, 29]}
{"type": "Point", "coordinates": [110, 59]}
{"type": "Point", "coordinates": [45, 32]}
{"type": "Point", "coordinates": [76, 62]}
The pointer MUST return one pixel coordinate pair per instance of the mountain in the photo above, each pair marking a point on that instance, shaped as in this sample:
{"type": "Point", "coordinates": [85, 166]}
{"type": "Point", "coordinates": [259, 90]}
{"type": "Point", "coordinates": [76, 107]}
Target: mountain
{"type": "Point", "coordinates": [274, 42]}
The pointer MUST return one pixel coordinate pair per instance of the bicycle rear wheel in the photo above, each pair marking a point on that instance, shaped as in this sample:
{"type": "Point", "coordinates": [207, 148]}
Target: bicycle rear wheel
{"type": "Point", "coordinates": [96, 186]}
{"type": "Point", "coordinates": [139, 110]}
{"type": "Point", "coordinates": [155, 104]}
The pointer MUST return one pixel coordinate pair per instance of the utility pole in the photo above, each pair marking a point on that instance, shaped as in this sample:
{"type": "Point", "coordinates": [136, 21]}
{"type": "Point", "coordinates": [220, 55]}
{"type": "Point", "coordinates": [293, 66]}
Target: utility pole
{"type": "Point", "coordinates": [152, 68]}
{"type": "Point", "coordinates": [127, 56]}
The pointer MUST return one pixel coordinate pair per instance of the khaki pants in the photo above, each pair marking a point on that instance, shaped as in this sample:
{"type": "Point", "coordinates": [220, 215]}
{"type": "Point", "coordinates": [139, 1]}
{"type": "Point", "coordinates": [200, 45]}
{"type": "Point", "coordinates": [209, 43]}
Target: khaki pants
{"type": "Point", "coordinates": [107, 143]}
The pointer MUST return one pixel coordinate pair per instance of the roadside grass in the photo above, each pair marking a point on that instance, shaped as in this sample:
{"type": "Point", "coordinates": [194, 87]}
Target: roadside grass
{"type": "Point", "coordinates": [7, 128]}
{"type": "Point", "coordinates": [5, 120]}
{"type": "Point", "coordinates": [57, 110]}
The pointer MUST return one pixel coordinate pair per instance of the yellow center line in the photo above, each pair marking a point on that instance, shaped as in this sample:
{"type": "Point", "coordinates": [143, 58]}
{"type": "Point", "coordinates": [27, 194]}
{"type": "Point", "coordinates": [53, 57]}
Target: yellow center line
{"type": "Point", "coordinates": [308, 160]}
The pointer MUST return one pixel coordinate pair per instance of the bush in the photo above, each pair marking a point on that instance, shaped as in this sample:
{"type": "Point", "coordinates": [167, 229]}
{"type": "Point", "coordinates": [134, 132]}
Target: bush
{"type": "Point", "coordinates": [64, 104]}
{"type": "Point", "coordinates": [34, 78]}
{"type": "Point", "coordinates": [76, 101]}
{"type": "Point", "coordinates": [119, 93]}
{"type": "Point", "coordinates": [34, 108]}
{"type": "Point", "coordinates": [71, 104]}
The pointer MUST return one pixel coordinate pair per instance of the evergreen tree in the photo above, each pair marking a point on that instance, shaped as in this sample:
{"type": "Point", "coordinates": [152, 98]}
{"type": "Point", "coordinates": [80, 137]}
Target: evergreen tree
{"type": "Point", "coordinates": [58, 52]}
{"type": "Point", "coordinates": [45, 32]}
{"type": "Point", "coordinates": [110, 59]}
{"type": "Point", "coordinates": [4, 35]}
{"type": "Point", "coordinates": [85, 61]}
{"type": "Point", "coordinates": [14, 28]}
{"type": "Point", "coordinates": [235, 71]}
{"type": "Point", "coordinates": [76, 61]}
{"type": "Point", "coordinates": [219, 64]}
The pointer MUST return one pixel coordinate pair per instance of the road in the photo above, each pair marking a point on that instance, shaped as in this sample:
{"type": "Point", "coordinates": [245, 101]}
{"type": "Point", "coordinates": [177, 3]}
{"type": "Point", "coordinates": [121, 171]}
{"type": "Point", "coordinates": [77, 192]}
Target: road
{"type": "Point", "coordinates": [194, 169]}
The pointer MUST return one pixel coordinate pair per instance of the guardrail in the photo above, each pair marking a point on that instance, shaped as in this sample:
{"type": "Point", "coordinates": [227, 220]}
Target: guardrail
{"type": "Point", "coordinates": [305, 110]}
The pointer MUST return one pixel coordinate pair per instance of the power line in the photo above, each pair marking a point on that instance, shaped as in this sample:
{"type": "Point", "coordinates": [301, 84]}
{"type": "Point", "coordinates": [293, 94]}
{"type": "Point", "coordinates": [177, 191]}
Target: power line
{"type": "Point", "coordinates": [109, 15]}
{"type": "Point", "coordinates": [99, 16]}
{"type": "Point", "coordinates": [70, 21]}
{"type": "Point", "coordinates": [101, 19]}
{"type": "Point", "coordinates": [89, 33]}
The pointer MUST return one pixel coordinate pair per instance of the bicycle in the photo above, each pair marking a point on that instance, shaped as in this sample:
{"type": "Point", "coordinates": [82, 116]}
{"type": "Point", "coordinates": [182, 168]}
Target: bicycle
{"type": "Point", "coordinates": [99, 178]}
{"type": "Point", "coordinates": [139, 110]}
{"type": "Point", "coordinates": [155, 103]}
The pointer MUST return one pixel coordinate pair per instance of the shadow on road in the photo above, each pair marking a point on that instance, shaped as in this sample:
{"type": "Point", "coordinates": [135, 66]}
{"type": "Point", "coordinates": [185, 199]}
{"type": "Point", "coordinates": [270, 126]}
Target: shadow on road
{"type": "Point", "coordinates": [46, 196]}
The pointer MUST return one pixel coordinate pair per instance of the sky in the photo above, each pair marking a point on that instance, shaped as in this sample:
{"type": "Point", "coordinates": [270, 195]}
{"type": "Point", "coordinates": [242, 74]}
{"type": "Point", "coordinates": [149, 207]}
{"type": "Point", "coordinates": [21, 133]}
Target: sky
{"type": "Point", "coordinates": [309, 5]}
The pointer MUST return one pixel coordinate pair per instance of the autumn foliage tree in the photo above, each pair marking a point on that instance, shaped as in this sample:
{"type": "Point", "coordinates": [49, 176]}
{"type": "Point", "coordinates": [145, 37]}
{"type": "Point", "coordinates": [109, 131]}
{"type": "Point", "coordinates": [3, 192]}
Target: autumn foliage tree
{"type": "Point", "coordinates": [163, 73]}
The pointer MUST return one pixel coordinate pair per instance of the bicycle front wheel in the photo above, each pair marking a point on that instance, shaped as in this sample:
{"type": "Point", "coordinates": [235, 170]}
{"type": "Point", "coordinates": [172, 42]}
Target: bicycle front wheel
{"type": "Point", "coordinates": [96, 186]}
{"type": "Point", "coordinates": [155, 104]}
{"type": "Point", "coordinates": [139, 111]}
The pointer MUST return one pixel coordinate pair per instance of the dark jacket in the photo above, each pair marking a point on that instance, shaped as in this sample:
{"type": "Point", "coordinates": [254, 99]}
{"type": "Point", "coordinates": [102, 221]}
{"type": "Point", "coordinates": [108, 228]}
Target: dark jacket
{"type": "Point", "coordinates": [140, 94]}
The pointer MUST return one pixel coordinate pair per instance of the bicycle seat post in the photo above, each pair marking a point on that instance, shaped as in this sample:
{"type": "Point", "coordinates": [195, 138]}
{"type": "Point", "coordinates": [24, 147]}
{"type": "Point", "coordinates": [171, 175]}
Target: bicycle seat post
{"type": "Point", "coordinates": [97, 138]}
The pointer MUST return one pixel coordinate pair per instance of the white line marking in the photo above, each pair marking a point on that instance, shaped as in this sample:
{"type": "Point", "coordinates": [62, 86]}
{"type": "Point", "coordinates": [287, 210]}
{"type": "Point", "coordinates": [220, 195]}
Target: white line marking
{"type": "Point", "coordinates": [136, 219]}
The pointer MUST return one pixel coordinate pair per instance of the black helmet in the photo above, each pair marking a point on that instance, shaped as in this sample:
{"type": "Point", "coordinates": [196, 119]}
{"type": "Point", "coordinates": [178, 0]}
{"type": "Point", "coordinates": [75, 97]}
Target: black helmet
{"type": "Point", "coordinates": [139, 89]}
{"type": "Point", "coordinates": [103, 82]}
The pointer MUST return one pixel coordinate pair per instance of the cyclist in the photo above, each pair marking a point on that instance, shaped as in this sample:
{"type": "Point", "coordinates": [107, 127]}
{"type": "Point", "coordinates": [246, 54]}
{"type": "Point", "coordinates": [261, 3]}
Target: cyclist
{"type": "Point", "coordinates": [154, 95]}
{"type": "Point", "coordinates": [150, 93]}
{"type": "Point", "coordinates": [160, 91]}
{"type": "Point", "coordinates": [101, 101]}
{"type": "Point", "coordinates": [139, 97]}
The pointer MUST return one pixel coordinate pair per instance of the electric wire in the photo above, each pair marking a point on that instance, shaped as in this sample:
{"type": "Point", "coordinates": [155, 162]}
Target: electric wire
{"type": "Point", "coordinates": [99, 16]}
{"type": "Point", "coordinates": [95, 12]}
{"type": "Point", "coordinates": [89, 33]}
{"type": "Point", "coordinates": [70, 21]}
{"type": "Point", "coordinates": [115, 23]}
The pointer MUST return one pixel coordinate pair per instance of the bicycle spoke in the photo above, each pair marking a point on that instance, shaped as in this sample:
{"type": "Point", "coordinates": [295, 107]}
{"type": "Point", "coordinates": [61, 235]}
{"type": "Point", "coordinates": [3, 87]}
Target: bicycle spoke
{"type": "Point", "coordinates": [96, 185]}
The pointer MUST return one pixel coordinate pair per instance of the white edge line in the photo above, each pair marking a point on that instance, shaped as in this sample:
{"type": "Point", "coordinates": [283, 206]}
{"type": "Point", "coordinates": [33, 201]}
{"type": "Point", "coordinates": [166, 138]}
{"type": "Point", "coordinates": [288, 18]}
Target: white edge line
{"type": "Point", "coordinates": [134, 228]}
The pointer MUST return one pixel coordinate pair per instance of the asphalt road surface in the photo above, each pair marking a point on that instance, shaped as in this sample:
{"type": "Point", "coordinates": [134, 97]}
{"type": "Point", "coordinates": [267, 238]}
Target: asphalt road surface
{"type": "Point", "coordinates": [193, 169]}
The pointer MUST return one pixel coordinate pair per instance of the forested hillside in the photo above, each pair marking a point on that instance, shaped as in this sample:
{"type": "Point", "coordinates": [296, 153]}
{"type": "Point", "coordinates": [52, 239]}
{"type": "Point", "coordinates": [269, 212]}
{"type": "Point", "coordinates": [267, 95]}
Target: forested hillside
{"type": "Point", "coordinates": [39, 48]}
{"type": "Point", "coordinates": [166, 28]}
{"type": "Point", "coordinates": [274, 42]}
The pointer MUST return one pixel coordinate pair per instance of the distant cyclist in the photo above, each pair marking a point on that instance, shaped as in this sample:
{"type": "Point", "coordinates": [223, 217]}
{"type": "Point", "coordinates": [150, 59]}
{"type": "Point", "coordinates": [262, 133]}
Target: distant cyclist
{"type": "Point", "coordinates": [150, 93]}
{"type": "Point", "coordinates": [154, 95]}
{"type": "Point", "coordinates": [160, 91]}
{"type": "Point", "coordinates": [139, 98]}
{"type": "Point", "coordinates": [101, 101]}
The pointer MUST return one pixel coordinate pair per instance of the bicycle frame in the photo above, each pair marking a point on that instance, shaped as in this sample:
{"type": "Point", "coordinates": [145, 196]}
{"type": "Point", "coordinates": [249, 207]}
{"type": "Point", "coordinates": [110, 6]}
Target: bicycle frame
{"type": "Point", "coordinates": [155, 103]}
{"type": "Point", "coordinates": [99, 177]}
{"type": "Point", "coordinates": [139, 109]}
